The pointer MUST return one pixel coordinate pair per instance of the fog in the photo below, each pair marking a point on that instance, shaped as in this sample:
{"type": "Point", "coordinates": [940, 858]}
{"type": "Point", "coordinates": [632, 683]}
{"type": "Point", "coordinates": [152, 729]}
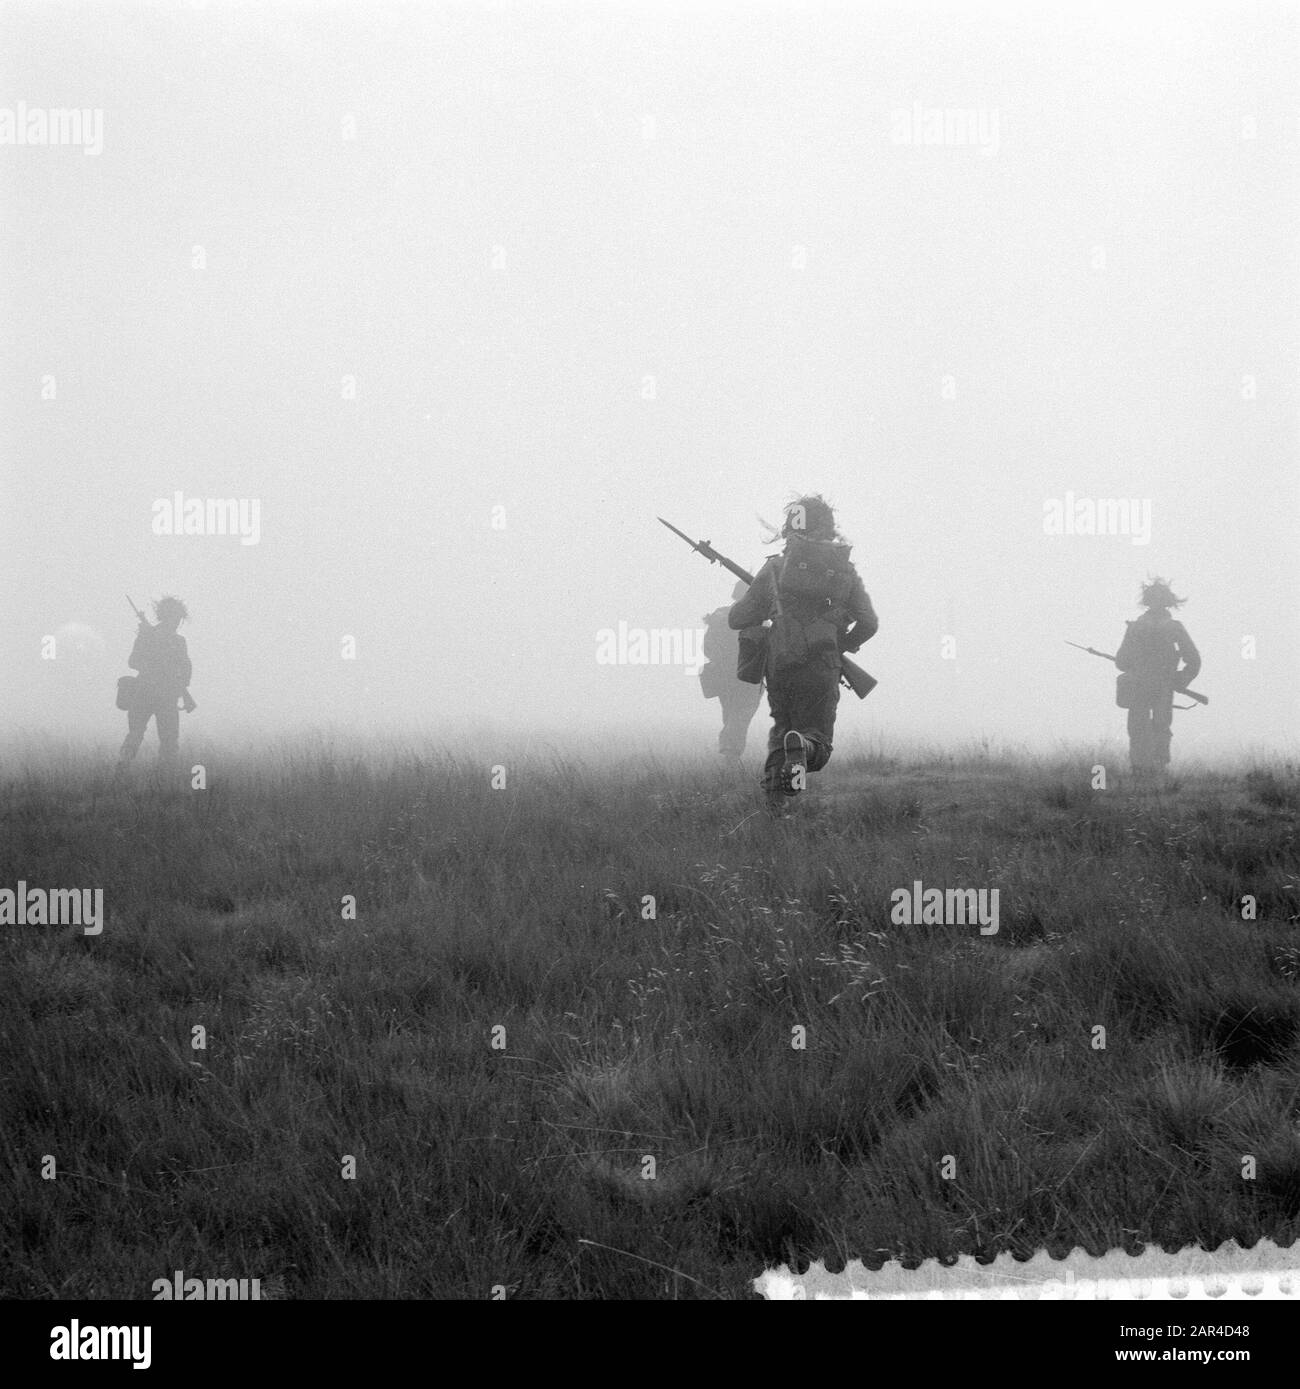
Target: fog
{"type": "Point", "coordinates": [457, 300]}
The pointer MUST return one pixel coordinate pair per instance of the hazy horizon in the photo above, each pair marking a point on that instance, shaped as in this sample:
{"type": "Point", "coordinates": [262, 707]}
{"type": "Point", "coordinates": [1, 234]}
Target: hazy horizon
{"type": "Point", "coordinates": [464, 297]}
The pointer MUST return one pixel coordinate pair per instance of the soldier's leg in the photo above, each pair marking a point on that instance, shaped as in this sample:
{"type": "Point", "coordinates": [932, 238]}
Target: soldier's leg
{"type": "Point", "coordinates": [1162, 729]}
{"type": "Point", "coordinates": [738, 709]}
{"type": "Point", "coordinates": [816, 717]}
{"type": "Point", "coordinates": [753, 698]}
{"type": "Point", "coordinates": [728, 744]}
{"type": "Point", "coordinates": [1139, 720]}
{"type": "Point", "coordinates": [778, 700]}
{"type": "Point", "coordinates": [137, 720]}
{"type": "Point", "coordinates": [167, 717]}
{"type": "Point", "coordinates": [812, 700]}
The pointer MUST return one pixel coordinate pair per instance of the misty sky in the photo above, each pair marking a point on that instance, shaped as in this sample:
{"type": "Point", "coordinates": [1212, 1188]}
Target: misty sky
{"type": "Point", "coordinates": [395, 272]}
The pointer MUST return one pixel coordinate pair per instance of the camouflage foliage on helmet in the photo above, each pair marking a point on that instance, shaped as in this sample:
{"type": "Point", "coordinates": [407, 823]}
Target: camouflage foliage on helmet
{"type": "Point", "coordinates": [168, 607]}
{"type": "Point", "coordinates": [1156, 593]}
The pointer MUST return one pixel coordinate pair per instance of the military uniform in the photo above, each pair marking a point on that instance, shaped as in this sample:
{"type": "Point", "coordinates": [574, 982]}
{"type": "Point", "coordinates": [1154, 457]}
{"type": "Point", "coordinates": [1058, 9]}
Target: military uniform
{"type": "Point", "coordinates": [1153, 647]}
{"type": "Point", "coordinates": [739, 699]}
{"type": "Point", "coordinates": [162, 660]}
{"type": "Point", "coordinates": [804, 697]}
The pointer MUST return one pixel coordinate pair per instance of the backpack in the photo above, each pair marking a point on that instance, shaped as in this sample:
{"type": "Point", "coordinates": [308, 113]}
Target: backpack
{"type": "Point", "coordinates": [815, 571]}
{"type": "Point", "coordinates": [813, 584]}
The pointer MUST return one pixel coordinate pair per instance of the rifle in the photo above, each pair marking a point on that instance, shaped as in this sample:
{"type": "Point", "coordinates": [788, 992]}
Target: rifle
{"type": "Point", "coordinates": [1108, 656]}
{"type": "Point", "coordinates": [187, 700]}
{"type": "Point", "coordinates": [852, 676]}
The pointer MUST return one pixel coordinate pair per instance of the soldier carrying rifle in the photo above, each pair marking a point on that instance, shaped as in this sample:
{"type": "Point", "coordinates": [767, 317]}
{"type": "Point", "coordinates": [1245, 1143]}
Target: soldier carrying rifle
{"type": "Point", "coordinates": [1156, 657]}
{"type": "Point", "coordinates": [162, 660]}
{"type": "Point", "coordinates": [818, 609]}
{"type": "Point", "coordinates": [718, 679]}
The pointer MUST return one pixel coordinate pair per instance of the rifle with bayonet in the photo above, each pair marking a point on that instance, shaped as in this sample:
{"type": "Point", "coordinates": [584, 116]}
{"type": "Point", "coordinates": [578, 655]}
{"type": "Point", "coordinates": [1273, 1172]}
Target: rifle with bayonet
{"type": "Point", "coordinates": [1109, 656]}
{"type": "Point", "coordinates": [187, 701]}
{"type": "Point", "coordinates": [852, 676]}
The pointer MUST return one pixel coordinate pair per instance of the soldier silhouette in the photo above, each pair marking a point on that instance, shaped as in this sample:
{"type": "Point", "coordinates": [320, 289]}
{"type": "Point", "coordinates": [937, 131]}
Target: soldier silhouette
{"type": "Point", "coordinates": [162, 660]}
{"type": "Point", "coordinates": [718, 679]}
{"type": "Point", "coordinates": [818, 609]}
{"type": "Point", "coordinates": [1158, 657]}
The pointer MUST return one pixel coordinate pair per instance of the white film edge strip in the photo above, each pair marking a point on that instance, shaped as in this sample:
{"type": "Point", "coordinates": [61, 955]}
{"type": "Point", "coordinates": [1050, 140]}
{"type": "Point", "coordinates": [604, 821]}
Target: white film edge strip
{"type": "Point", "coordinates": [1264, 1272]}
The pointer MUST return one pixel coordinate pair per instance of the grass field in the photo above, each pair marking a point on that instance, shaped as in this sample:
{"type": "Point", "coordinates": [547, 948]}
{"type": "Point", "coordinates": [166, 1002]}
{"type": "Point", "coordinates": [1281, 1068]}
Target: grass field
{"type": "Point", "coordinates": [523, 1165]}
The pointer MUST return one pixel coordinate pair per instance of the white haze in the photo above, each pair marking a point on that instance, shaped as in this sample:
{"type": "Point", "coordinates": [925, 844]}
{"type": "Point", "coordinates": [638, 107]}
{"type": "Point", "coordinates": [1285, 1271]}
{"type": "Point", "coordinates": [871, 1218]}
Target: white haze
{"type": "Point", "coordinates": [501, 221]}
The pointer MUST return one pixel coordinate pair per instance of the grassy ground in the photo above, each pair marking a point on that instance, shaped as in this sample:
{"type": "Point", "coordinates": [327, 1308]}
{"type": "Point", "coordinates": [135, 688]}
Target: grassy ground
{"type": "Point", "coordinates": [524, 1165]}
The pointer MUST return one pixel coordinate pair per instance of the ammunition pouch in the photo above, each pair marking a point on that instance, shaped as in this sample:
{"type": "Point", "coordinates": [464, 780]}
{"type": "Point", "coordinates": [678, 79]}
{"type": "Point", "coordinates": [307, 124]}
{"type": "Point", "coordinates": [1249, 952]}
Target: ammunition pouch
{"type": "Point", "coordinates": [127, 687]}
{"type": "Point", "coordinates": [800, 643]}
{"type": "Point", "coordinates": [1127, 689]}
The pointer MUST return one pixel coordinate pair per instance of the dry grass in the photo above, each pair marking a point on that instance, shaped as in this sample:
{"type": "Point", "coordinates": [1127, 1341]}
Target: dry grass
{"type": "Point", "coordinates": [626, 1038]}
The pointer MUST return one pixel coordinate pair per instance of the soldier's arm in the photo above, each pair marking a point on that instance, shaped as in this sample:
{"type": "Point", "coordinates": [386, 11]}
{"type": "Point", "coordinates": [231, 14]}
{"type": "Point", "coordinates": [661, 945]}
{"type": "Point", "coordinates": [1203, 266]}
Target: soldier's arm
{"type": "Point", "coordinates": [1190, 657]}
{"type": "Point", "coordinates": [863, 622]}
{"type": "Point", "coordinates": [184, 668]}
{"type": "Point", "coordinates": [137, 653]}
{"type": "Point", "coordinates": [756, 606]}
